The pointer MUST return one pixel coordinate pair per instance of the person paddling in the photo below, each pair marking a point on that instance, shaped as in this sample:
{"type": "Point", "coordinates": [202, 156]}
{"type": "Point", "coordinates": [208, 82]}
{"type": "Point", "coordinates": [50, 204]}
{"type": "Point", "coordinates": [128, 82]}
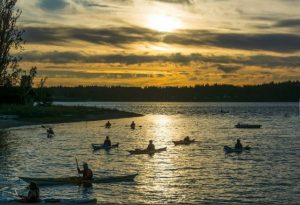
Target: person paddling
{"type": "Point", "coordinates": [107, 142]}
{"type": "Point", "coordinates": [132, 126]}
{"type": "Point", "coordinates": [151, 146]}
{"type": "Point", "coordinates": [238, 144]}
{"type": "Point", "coordinates": [108, 125]}
{"type": "Point", "coordinates": [87, 174]}
{"type": "Point", "coordinates": [33, 195]}
{"type": "Point", "coordinates": [50, 132]}
{"type": "Point", "coordinates": [187, 139]}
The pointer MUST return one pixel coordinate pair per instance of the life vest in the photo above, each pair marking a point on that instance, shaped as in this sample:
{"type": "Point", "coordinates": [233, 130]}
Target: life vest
{"type": "Point", "coordinates": [151, 147]}
{"type": "Point", "coordinates": [107, 143]}
{"type": "Point", "coordinates": [87, 174]}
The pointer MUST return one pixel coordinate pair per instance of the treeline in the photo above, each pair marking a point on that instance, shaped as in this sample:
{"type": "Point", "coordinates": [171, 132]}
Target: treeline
{"type": "Point", "coordinates": [271, 92]}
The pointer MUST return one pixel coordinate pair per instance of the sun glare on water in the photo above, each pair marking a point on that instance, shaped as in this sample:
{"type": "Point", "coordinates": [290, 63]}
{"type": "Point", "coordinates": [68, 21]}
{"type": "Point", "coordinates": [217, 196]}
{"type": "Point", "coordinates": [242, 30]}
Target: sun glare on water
{"type": "Point", "coordinates": [163, 23]}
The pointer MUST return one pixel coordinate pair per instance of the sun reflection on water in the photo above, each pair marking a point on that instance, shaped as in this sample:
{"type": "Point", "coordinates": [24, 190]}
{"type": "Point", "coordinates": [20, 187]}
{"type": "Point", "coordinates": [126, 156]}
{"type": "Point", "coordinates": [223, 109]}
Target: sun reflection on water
{"type": "Point", "coordinates": [162, 164]}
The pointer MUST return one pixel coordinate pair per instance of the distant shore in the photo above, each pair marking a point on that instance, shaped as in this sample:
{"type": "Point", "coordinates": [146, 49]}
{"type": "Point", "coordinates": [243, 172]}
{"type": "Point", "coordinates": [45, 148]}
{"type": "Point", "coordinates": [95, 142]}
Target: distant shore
{"type": "Point", "coordinates": [19, 115]}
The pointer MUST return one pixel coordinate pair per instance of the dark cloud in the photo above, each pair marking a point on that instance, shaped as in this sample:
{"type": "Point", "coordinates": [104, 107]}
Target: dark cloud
{"type": "Point", "coordinates": [106, 36]}
{"type": "Point", "coordinates": [267, 42]}
{"type": "Point", "coordinates": [288, 23]}
{"type": "Point", "coordinates": [91, 3]}
{"type": "Point", "coordinates": [121, 36]}
{"type": "Point", "coordinates": [86, 75]}
{"type": "Point", "coordinates": [228, 68]}
{"type": "Point", "coordinates": [97, 5]}
{"type": "Point", "coordinates": [267, 61]}
{"type": "Point", "coordinates": [52, 4]}
{"type": "Point", "coordinates": [73, 57]}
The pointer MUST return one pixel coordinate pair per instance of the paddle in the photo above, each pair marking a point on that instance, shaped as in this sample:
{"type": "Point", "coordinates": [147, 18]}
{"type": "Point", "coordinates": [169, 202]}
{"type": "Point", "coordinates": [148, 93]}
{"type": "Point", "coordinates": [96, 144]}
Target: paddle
{"type": "Point", "coordinates": [77, 165]}
{"type": "Point", "coordinates": [17, 194]}
{"type": "Point", "coordinates": [13, 193]}
{"type": "Point", "coordinates": [43, 126]}
{"type": "Point", "coordinates": [49, 135]}
{"type": "Point", "coordinates": [77, 162]}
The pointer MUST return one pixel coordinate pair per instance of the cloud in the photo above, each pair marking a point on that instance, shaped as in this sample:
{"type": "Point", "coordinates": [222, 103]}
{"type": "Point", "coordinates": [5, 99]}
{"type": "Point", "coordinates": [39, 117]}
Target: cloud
{"type": "Point", "coordinates": [266, 42]}
{"type": "Point", "coordinates": [121, 36]}
{"type": "Point", "coordinates": [49, 5]}
{"type": "Point", "coordinates": [226, 62]}
{"type": "Point", "coordinates": [228, 68]}
{"type": "Point", "coordinates": [92, 3]}
{"type": "Point", "coordinates": [288, 23]}
{"type": "Point", "coordinates": [106, 36]}
{"type": "Point", "coordinates": [87, 75]}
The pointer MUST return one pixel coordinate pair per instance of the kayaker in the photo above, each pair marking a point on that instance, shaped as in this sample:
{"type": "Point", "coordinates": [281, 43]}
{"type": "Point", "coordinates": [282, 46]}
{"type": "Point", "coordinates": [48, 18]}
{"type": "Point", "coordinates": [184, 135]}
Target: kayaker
{"type": "Point", "coordinates": [186, 139]}
{"type": "Point", "coordinates": [87, 174]}
{"type": "Point", "coordinates": [238, 144]}
{"type": "Point", "coordinates": [151, 146]}
{"type": "Point", "coordinates": [132, 125]}
{"type": "Point", "coordinates": [108, 125]}
{"type": "Point", "coordinates": [33, 195]}
{"type": "Point", "coordinates": [50, 131]}
{"type": "Point", "coordinates": [107, 142]}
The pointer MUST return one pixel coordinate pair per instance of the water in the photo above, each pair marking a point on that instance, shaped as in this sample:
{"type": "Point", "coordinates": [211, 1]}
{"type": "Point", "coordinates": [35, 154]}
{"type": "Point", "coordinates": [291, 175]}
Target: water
{"type": "Point", "coordinates": [199, 173]}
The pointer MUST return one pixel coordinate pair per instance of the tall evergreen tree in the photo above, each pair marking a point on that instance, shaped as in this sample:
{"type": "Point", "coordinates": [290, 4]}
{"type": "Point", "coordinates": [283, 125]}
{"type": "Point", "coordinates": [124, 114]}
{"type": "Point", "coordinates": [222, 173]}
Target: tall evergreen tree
{"type": "Point", "coordinates": [10, 40]}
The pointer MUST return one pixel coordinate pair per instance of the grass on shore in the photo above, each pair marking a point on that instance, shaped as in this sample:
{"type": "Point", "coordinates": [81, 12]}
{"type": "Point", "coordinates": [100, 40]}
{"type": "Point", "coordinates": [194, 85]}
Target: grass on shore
{"type": "Point", "coordinates": [59, 114]}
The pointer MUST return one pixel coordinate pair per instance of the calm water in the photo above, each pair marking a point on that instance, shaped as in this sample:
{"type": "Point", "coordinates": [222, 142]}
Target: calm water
{"type": "Point", "coordinates": [199, 173]}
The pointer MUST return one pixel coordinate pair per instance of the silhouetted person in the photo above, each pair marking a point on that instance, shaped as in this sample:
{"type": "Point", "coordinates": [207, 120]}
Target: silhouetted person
{"type": "Point", "coordinates": [151, 146]}
{"type": "Point", "coordinates": [187, 139]}
{"type": "Point", "coordinates": [87, 173]}
{"type": "Point", "coordinates": [50, 131]}
{"type": "Point", "coordinates": [132, 125]}
{"type": "Point", "coordinates": [33, 195]}
{"type": "Point", "coordinates": [238, 144]}
{"type": "Point", "coordinates": [107, 142]}
{"type": "Point", "coordinates": [108, 125]}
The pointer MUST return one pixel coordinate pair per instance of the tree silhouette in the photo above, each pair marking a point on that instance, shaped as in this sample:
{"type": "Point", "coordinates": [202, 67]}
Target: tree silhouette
{"type": "Point", "coordinates": [10, 39]}
{"type": "Point", "coordinates": [270, 92]}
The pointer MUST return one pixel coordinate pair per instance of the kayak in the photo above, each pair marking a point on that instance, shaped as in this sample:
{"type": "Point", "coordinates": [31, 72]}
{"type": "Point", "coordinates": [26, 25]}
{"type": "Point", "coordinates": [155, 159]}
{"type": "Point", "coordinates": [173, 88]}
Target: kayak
{"type": "Point", "coordinates": [102, 146]}
{"type": "Point", "coordinates": [56, 201]}
{"type": "Point", "coordinates": [228, 150]}
{"type": "Point", "coordinates": [145, 151]}
{"type": "Point", "coordinates": [183, 142]}
{"type": "Point", "coordinates": [78, 180]}
{"type": "Point", "coordinates": [247, 126]}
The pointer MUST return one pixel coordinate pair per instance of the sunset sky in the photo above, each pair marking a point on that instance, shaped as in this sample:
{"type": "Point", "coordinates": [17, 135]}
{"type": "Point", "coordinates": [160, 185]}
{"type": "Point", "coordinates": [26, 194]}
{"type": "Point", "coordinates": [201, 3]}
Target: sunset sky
{"type": "Point", "coordinates": [162, 42]}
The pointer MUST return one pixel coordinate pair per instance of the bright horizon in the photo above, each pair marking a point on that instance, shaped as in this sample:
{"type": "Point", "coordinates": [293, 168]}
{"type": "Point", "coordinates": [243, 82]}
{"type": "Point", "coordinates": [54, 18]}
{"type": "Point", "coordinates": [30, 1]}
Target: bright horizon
{"type": "Point", "coordinates": [161, 42]}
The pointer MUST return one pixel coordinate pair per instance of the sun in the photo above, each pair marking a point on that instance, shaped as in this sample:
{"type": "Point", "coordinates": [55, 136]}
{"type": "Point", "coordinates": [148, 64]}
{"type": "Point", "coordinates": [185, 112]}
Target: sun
{"type": "Point", "coordinates": [163, 23]}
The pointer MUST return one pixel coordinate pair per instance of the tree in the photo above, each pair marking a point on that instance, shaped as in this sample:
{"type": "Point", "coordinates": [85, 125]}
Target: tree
{"type": "Point", "coordinates": [10, 39]}
{"type": "Point", "coordinates": [43, 98]}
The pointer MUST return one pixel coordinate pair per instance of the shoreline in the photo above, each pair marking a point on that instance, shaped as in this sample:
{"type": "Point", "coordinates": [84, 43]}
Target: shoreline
{"type": "Point", "coordinates": [17, 116]}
